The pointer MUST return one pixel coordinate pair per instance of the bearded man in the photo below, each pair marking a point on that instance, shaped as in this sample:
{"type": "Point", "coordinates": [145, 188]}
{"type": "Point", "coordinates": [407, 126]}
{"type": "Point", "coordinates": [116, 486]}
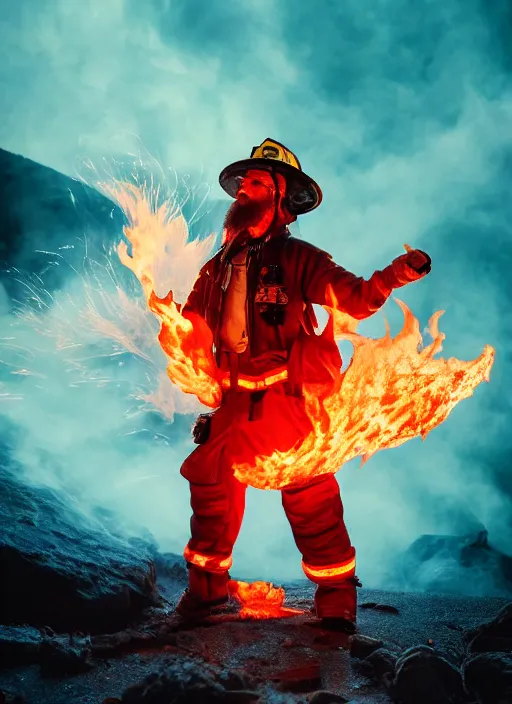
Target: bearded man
{"type": "Point", "coordinates": [256, 296]}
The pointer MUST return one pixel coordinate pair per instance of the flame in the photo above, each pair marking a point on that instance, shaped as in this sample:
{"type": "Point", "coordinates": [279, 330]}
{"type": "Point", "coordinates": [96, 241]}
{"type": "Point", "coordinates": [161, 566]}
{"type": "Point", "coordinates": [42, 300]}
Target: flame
{"type": "Point", "coordinates": [158, 235]}
{"type": "Point", "coordinates": [188, 344]}
{"type": "Point", "coordinates": [260, 600]}
{"type": "Point", "coordinates": [392, 391]}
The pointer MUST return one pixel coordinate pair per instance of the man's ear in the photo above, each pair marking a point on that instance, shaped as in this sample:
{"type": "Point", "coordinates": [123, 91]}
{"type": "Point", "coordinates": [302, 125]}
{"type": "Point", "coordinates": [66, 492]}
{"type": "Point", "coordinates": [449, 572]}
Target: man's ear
{"type": "Point", "coordinates": [285, 214]}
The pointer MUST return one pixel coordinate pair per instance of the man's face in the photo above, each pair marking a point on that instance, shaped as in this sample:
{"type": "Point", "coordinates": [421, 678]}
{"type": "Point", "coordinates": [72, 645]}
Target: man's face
{"type": "Point", "coordinates": [257, 186]}
{"type": "Point", "coordinates": [253, 209]}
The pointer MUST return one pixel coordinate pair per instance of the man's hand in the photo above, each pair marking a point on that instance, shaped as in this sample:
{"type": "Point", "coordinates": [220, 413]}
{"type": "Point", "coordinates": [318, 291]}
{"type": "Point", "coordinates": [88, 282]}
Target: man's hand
{"type": "Point", "coordinates": [418, 260]}
{"type": "Point", "coordinates": [411, 266]}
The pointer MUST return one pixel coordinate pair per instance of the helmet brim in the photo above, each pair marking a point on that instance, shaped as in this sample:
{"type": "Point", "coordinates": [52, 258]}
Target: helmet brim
{"type": "Point", "coordinates": [303, 194]}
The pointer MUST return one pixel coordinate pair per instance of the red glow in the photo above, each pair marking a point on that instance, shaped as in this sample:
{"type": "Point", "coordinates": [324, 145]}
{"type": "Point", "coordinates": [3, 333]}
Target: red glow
{"type": "Point", "coordinates": [212, 564]}
{"type": "Point", "coordinates": [320, 574]}
{"type": "Point", "coordinates": [261, 600]}
{"type": "Point", "coordinates": [393, 390]}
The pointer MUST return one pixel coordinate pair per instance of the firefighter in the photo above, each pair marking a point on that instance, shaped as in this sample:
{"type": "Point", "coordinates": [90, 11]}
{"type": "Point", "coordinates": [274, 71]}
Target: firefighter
{"type": "Point", "coordinates": [256, 295]}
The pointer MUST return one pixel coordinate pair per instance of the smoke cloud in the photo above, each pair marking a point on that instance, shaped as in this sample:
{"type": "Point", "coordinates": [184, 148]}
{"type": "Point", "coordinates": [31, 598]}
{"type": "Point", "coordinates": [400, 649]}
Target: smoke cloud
{"type": "Point", "coordinates": [403, 115]}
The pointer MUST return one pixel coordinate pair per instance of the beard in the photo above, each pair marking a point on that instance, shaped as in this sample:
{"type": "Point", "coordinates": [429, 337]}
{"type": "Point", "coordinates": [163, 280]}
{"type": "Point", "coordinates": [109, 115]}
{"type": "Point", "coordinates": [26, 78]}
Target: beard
{"type": "Point", "coordinates": [244, 214]}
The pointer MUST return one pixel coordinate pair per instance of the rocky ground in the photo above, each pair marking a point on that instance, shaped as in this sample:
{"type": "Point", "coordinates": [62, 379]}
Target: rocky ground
{"type": "Point", "coordinates": [410, 648]}
{"type": "Point", "coordinates": [87, 615]}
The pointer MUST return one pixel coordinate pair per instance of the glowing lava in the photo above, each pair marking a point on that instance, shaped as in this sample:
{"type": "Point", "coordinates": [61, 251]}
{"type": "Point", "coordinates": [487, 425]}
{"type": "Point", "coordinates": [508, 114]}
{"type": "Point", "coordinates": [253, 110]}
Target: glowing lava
{"type": "Point", "coordinates": [260, 600]}
{"type": "Point", "coordinates": [392, 391]}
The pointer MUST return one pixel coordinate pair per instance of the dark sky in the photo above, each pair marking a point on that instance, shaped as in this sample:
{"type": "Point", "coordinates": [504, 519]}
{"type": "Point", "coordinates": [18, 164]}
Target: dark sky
{"type": "Point", "coordinates": [401, 111]}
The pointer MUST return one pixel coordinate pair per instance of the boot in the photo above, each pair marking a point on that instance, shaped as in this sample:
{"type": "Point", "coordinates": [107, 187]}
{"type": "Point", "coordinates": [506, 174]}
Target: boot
{"type": "Point", "coordinates": [193, 609]}
{"type": "Point", "coordinates": [206, 595]}
{"type": "Point", "coordinates": [336, 606]}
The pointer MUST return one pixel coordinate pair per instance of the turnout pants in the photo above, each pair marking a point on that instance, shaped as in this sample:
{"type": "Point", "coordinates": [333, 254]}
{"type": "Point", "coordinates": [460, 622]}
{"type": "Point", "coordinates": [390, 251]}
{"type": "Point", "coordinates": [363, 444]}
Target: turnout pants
{"type": "Point", "coordinates": [315, 510]}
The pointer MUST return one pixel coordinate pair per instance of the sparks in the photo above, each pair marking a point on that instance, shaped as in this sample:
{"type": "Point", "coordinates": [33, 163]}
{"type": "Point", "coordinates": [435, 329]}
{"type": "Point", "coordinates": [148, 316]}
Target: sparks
{"type": "Point", "coordinates": [99, 329]}
{"type": "Point", "coordinates": [391, 392]}
{"type": "Point", "coordinates": [158, 235]}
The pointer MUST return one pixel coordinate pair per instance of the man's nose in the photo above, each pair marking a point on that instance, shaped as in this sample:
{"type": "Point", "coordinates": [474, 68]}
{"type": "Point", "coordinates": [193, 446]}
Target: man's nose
{"type": "Point", "coordinates": [242, 196]}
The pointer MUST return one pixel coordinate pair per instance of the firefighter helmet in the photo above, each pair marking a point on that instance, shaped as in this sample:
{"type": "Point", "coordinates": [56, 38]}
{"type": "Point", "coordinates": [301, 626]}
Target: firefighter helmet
{"type": "Point", "coordinates": [302, 193]}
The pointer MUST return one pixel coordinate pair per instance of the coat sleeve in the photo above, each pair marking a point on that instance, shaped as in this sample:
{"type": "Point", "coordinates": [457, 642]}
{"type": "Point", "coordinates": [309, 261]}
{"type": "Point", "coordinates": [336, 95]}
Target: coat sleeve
{"type": "Point", "coordinates": [355, 295]}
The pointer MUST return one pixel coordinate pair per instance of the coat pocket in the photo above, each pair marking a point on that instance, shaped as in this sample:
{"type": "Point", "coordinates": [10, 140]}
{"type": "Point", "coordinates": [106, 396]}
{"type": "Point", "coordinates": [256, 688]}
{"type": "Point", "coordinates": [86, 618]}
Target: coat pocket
{"type": "Point", "coordinates": [315, 361]}
{"type": "Point", "coordinates": [202, 466]}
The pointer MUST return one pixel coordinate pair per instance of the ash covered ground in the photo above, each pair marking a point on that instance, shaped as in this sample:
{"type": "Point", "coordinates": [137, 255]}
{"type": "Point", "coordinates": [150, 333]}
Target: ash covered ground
{"type": "Point", "coordinates": [410, 648]}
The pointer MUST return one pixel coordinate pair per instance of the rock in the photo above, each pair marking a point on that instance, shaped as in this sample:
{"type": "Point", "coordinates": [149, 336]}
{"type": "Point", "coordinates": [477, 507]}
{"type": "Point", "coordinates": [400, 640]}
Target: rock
{"type": "Point", "coordinates": [170, 566]}
{"type": "Point", "coordinates": [43, 205]}
{"type": "Point", "coordinates": [156, 632]}
{"type": "Point", "coordinates": [460, 565]}
{"type": "Point", "coordinates": [19, 645]}
{"type": "Point", "coordinates": [387, 608]}
{"type": "Point", "coordinates": [492, 636]}
{"type": "Point", "coordinates": [362, 646]}
{"type": "Point", "coordinates": [383, 663]}
{"type": "Point", "coordinates": [236, 680]}
{"type": "Point", "coordinates": [110, 644]}
{"type": "Point", "coordinates": [323, 697]}
{"type": "Point", "coordinates": [298, 679]}
{"type": "Point", "coordinates": [488, 677]}
{"type": "Point", "coordinates": [37, 199]}
{"type": "Point", "coordinates": [188, 680]}
{"type": "Point", "coordinates": [423, 677]}
{"type": "Point", "coordinates": [58, 570]}
{"type": "Point", "coordinates": [65, 655]}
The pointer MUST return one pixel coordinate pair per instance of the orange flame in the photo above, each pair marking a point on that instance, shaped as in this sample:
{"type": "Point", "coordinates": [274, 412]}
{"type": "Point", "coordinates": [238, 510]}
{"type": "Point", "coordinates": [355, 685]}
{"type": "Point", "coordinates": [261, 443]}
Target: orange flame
{"type": "Point", "coordinates": [392, 391]}
{"type": "Point", "coordinates": [188, 343]}
{"type": "Point", "coordinates": [161, 253]}
{"type": "Point", "coordinates": [261, 600]}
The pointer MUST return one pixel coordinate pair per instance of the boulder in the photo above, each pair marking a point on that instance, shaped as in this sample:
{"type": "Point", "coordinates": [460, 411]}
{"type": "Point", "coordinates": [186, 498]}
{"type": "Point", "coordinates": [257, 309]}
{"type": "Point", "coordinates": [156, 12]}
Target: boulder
{"type": "Point", "coordinates": [65, 655]}
{"type": "Point", "coordinates": [423, 677]}
{"type": "Point", "coordinates": [38, 204]}
{"type": "Point", "coordinates": [188, 680]}
{"type": "Point", "coordinates": [19, 645]}
{"type": "Point", "coordinates": [494, 635]}
{"type": "Point", "coordinates": [382, 663]}
{"type": "Point", "coordinates": [488, 678]}
{"type": "Point", "coordinates": [460, 565]}
{"type": "Point", "coordinates": [323, 697]}
{"type": "Point", "coordinates": [59, 571]}
{"type": "Point", "coordinates": [171, 566]}
{"type": "Point", "coordinates": [361, 646]}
